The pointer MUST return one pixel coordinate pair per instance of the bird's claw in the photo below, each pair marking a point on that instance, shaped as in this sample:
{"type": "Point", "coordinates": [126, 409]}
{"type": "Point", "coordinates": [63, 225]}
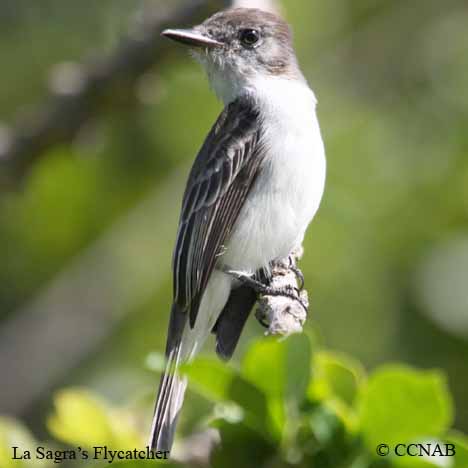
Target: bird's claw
{"type": "Point", "coordinates": [299, 275]}
{"type": "Point", "coordinates": [261, 289]}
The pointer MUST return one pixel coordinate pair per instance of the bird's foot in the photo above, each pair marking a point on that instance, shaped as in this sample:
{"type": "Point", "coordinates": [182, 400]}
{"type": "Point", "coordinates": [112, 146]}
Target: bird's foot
{"type": "Point", "coordinates": [266, 290]}
{"type": "Point", "coordinates": [248, 280]}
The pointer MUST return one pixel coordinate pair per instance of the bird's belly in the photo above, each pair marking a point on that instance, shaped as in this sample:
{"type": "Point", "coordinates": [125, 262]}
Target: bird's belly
{"type": "Point", "coordinates": [283, 201]}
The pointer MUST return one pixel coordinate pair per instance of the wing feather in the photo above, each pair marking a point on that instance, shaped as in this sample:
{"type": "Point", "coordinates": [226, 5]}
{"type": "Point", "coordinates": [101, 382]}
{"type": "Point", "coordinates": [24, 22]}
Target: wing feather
{"type": "Point", "coordinates": [220, 180]}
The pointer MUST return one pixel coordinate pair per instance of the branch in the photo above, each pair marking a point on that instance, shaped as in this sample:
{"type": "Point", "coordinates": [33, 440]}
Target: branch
{"type": "Point", "coordinates": [80, 92]}
{"type": "Point", "coordinates": [284, 315]}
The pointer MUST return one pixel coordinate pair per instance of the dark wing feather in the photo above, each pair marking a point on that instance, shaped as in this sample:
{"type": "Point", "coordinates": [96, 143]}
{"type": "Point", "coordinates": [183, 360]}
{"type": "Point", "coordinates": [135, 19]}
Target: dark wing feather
{"type": "Point", "coordinates": [219, 182]}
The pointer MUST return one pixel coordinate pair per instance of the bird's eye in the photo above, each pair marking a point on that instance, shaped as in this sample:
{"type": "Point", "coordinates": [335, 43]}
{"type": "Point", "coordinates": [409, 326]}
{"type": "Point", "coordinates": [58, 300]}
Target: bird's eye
{"type": "Point", "coordinates": [249, 37]}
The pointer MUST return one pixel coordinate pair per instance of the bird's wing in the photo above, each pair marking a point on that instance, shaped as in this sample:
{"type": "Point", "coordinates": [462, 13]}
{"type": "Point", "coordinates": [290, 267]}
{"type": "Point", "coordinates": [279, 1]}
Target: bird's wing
{"type": "Point", "coordinates": [221, 178]}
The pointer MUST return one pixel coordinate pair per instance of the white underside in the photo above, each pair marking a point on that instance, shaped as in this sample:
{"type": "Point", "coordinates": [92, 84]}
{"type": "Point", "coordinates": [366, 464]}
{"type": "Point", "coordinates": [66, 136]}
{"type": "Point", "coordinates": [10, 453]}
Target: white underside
{"type": "Point", "coordinates": [282, 202]}
{"type": "Point", "coordinates": [289, 188]}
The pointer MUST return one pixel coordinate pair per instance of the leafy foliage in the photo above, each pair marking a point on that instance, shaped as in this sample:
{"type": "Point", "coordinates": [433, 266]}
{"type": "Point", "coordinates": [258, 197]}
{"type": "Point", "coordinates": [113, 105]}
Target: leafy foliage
{"type": "Point", "coordinates": [419, 399]}
{"type": "Point", "coordinates": [287, 404]}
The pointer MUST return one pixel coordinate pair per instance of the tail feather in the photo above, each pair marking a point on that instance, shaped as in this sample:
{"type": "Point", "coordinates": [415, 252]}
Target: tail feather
{"type": "Point", "coordinates": [183, 343]}
{"type": "Point", "coordinates": [168, 404]}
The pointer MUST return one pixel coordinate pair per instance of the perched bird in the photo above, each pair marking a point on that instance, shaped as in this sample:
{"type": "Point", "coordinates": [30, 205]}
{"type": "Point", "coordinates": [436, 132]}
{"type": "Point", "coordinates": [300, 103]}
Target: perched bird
{"type": "Point", "coordinates": [253, 189]}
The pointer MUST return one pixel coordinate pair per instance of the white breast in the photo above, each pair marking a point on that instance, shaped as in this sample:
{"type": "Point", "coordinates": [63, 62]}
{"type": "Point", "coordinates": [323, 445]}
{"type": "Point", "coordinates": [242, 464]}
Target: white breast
{"type": "Point", "coordinates": [288, 191]}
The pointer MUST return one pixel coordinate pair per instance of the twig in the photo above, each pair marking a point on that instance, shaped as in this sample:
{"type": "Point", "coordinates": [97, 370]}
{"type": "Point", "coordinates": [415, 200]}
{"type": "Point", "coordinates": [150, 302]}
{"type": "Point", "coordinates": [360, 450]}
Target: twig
{"type": "Point", "coordinates": [284, 315]}
{"type": "Point", "coordinates": [283, 302]}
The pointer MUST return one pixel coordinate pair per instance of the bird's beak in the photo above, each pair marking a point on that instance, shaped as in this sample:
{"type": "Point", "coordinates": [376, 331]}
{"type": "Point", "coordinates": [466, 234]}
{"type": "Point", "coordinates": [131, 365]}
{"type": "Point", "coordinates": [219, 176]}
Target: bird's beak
{"type": "Point", "coordinates": [191, 37]}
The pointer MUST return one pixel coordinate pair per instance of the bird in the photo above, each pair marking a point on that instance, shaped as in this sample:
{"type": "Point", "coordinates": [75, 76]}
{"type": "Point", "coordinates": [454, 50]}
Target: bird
{"type": "Point", "coordinates": [254, 187]}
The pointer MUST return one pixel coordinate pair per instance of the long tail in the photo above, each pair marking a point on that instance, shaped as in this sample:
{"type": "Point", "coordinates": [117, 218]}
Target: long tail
{"type": "Point", "coordinates": [183, 344]}
{"type": "Point", "coordinates": [168, 404]}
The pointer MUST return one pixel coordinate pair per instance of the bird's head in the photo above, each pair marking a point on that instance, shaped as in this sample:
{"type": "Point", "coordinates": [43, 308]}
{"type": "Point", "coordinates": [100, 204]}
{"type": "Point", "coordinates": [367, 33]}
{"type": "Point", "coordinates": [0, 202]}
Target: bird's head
{"type": "Point", "coordinates": [240, 45]}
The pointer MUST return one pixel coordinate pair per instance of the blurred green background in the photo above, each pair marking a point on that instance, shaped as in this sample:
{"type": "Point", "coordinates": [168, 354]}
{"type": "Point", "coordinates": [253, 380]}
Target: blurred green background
{"type": "Point", "coordinates": [85, 244]}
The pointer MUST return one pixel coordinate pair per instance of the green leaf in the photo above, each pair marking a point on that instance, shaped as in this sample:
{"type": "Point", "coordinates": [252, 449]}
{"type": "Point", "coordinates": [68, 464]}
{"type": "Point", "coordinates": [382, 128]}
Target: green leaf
{"type": "Point", "coordinates": [297, 360]}
{"type": "Point", "coordinates": [281, 368]}
{"type": "Point", "coordinates": [402, 405]}
{"type": "Point", "coordinates": [218, 382]}
{"type": "Point", "coordinates": [262, 366]}
{"type": "Point", "coordinates": [336, 381]}
{"type": "Point", "coordinates": [254, 404]}
{"type": "Point", "coordinates": [210, 377]}
{"type": "Point", "coordinates": [82, 418]}
{"type": "Point", "coordinates": [335, 375]}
